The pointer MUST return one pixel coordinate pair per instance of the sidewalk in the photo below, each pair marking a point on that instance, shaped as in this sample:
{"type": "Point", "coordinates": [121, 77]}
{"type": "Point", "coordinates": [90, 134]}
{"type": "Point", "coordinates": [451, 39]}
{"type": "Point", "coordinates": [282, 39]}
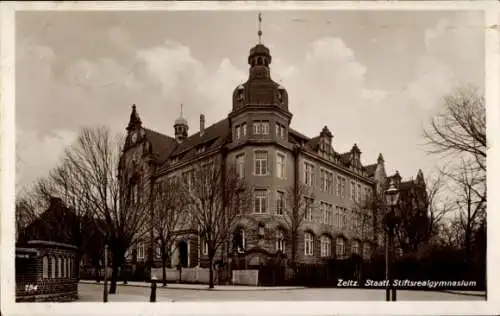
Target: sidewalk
{"type": "Point", "coordinates": [471, 293]}
{"type": "Point", "coordinates": [203, 287]}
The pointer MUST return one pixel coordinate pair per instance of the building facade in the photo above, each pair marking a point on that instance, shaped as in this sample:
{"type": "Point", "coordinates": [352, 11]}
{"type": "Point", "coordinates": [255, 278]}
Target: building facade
{"type": "Point", "coordinates": [257, 138]}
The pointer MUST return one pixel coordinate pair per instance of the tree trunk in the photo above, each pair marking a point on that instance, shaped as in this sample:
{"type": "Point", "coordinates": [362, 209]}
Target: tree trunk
{"type": "Point", "coordinates": [114, 277]}
{"type": "Point", "coordinates": [97, 273]}
{"type": "Point", "coordinates": [294, 252]}
{"type": "Point", "coordinates": [164, 270]}
{"type": "Point", "coordinates": [211, 273]}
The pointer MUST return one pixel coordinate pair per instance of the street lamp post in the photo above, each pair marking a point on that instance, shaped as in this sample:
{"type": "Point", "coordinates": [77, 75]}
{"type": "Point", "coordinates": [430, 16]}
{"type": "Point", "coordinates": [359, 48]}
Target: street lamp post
{"type": "Point", "coordinates": [390, 221]}
{"type": "Point", "coordinates": [105, 290]}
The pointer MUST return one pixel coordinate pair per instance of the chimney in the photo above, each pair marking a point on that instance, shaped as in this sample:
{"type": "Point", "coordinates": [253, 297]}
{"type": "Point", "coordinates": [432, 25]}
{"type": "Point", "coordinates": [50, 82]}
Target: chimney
{"type": "Point", "coordinates": [202, 124]}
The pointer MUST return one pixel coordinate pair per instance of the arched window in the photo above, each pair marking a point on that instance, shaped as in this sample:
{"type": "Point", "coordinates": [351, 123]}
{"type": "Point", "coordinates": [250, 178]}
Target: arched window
{"type": "Point", "coordinates": [308, 244]}
{"type": "Point", "coordinates": [326, 246]}
{"type": "Point", "coordinates": [53, 266]}
{"type": "Point", "coordinates": [59, 267]}
{"type": "Point", "coordinates": [45, 267]}
{"type": "Point", "coordinates": [367, 251]}
{"type": "Point", "coordinates": [340, 247]}
{"type": "Point", "coordinates": [355, 247]}
{"type": "Point", "coordinates": [239, 240]}
{"type": "Point", "coordinates": [280, 240]}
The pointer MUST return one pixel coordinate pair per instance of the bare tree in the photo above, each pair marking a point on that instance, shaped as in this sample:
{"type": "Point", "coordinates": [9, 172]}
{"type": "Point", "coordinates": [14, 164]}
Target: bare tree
{"type": "Point", "coordinates": [170, 212]}
{"type": "Point", "coordinates": [93, 160]}
{"type": "Point", "coordinates": [26, 213]}
{"type": "Point", "coordinates": [299, 205]}
{"type": "Point", "coordinates": [461, 127]}
{"type": "Point", "coordinates": [421, 211]}
{"type": "Point", "coordinates": [470, 190]}
{"type": "Point", "coordinates": [30, 204]}
{"type": "Point", "coordinates": [215, 193]}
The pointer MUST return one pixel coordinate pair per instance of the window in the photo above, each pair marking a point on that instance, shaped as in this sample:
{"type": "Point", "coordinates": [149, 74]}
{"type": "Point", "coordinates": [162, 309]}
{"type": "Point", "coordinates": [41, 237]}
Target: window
{"type": "Point", "coordinates": [280, 202]}
{"type": "Point", "coordinates": [205, 248]}
{"type": "Point", "coordinates": [355, 247]}
{"type": "Point", "coordinates": [280, 131]}
{"type": "Point", "coordinates": [308, 209]}
{"type": "Point", "coordinates": [261, 230]}
{"type": "Point", "coordinates": [329, 182]}
{"type": "Point", "coordinates": [343, 187]}
{"type": "Point", "coordinates": [280, 165]}
{"type": "Point", "coordinates": [326, 210]}
{"type": "Point", "coordinates": [238, 132]}
{"type": "Point", "coordinates": [308, 173]}
{"type": "Point", "coordinates": [239, 239]}
{"type": "Point", "coordinates": [260, 201]}
{"type": "Point", "coordinates": [45, 267]}
{"type": "Point", "coordinates": [280, 240]}
{"type": "Point", "coordinates": [353, 191]}
{"type": "Point", "coordinates": [359, 193]}
{"type": "Point", "coordinates": [326, 246]}
{"type": "Point", "coordinates": [308, 244]}
{"type": "Point", "coordinates": [261, 128]}
{"type": "Point", "coordinates": [357, 221]}
{"type": "Point", "coordinates": [158, 251]}
{"type": "Point", "coordinates": [326, 179]}
{"type": "Point", "coordinates": [240, 165]}
{"type": "Point", "coordinates": [260, 163]}
{"type": "Point", "coordinates": [339, 186]}
{"type": "Point", "coordinates": [53, 266]}
{"type": "Point", "coordinates": [340, 247]}
{"type": "Point", "coordinates": [322, 179]}
{"type": "Point", "coordinates": [70, 268]}
{"type": "Point", "coordinates": [140, 251]}
{"type": "Point", "coordinates": [366, 251]}
{"type": "Point", "coordinates": [188, 177]}
{"type": "Point", "coordinates": [241, 130]}
{"type": "Point", "coordinates": [341, 217]}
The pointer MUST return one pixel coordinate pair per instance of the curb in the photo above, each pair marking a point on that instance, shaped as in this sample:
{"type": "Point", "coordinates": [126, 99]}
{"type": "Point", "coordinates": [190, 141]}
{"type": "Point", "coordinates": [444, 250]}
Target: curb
{"type": "Point", "coordinates": [200, 289]}
{"type": "Point", "coordinates": [468, 294]}
{"type": "Point", "coordinates": [146, 285]}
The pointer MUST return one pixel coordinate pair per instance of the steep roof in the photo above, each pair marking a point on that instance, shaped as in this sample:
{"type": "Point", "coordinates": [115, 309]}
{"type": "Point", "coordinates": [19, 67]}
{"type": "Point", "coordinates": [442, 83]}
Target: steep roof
{"type": "Point", "coordinates": [370, 169]}
{"type": "Point", "coordinates": [214, 136]}
{"type": "Point", "coordinates": [161, 144]}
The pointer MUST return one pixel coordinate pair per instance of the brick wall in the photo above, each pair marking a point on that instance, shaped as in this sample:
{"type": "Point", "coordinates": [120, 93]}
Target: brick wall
{"type": "Point", "coordinates": [47, 274]}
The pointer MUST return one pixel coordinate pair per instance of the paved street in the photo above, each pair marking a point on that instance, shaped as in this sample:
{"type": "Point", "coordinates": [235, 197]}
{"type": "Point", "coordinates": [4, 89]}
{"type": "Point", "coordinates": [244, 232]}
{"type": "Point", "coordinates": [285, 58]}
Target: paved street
{"type": "Point", "coordinates": [126, 293]}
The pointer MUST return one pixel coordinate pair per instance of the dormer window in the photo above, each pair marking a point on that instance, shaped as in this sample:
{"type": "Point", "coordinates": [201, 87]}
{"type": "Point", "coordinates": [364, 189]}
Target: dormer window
{"type": "Point", "coordinates": [201, 149]}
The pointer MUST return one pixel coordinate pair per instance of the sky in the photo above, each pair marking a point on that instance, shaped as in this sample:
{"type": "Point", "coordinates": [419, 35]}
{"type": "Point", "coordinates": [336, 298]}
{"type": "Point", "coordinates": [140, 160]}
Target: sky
{"type": "Point", "coordinates": [375, 78]}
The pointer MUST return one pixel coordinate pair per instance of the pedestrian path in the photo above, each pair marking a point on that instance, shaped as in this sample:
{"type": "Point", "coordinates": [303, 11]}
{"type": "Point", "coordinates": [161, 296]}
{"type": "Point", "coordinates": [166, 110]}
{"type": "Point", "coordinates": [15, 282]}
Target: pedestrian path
{"type": "Point", "coordinates": [202, 287]}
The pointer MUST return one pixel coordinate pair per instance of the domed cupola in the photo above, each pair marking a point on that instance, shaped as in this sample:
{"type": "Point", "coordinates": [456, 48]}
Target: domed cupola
{"type": "Point", "coordinates": [181, 128]}
{"type": "Point", "coordinates": [260, 90]}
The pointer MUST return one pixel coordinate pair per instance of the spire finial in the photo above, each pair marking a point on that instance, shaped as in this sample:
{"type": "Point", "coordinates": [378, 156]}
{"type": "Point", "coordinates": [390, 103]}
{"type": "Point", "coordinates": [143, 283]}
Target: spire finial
{"type": "Point", "coordinates": [181, 108]}
{"type": "Point", "coordinates": [260, 28]}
